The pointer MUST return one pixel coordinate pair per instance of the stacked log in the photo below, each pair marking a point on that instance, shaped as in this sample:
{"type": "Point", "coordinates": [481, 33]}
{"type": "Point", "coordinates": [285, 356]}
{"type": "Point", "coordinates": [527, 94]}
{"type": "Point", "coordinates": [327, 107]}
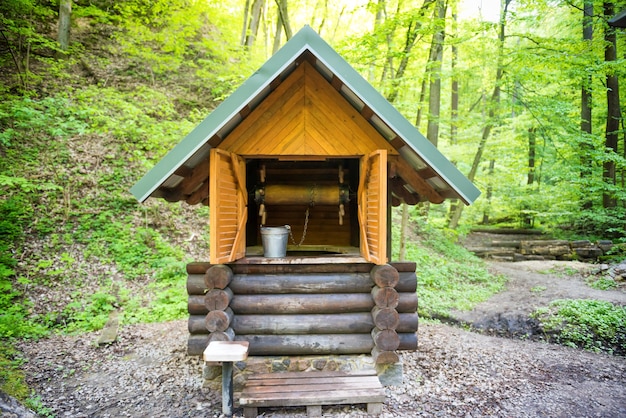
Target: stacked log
{"type": "Point", "coordinates": [304, 309]}
{"type": "Point", "coordinates": [407, 305]}
{"type": "Point", "coordinates": [384, 314]}
{"type": "Point", "coordinates": [209, 307]}
{"type": "Point", "coordinates": [517, 247]}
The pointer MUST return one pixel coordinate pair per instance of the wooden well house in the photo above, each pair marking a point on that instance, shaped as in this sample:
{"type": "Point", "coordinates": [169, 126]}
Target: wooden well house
{"type": "Point", "coordinates": [304, 142]}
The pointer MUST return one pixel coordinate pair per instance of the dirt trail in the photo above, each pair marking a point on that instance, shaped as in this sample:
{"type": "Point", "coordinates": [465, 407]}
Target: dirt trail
{"type": "Point", "coordinates": [530, 285]}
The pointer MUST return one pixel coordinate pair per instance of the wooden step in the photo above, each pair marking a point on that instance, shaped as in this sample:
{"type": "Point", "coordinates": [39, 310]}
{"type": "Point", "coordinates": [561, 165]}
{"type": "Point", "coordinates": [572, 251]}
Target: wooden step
{"type": "Point", "coordinates": [312, 389]}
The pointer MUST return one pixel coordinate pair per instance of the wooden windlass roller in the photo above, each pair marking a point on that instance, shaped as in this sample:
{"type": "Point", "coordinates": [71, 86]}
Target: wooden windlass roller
{"type": "Point", "coordinates": [296, 194]}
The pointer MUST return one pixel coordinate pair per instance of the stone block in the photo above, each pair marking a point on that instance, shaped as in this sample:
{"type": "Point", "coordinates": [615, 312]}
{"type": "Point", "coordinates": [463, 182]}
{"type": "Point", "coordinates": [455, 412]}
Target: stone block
{"type": "Point", "coordinates": [390, 374]}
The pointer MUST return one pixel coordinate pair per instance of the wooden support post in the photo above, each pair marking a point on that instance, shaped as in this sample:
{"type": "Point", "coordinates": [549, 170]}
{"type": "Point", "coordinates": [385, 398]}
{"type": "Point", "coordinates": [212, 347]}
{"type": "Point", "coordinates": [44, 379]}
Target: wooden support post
{"type": "Point", "coordinates": [227, 388]}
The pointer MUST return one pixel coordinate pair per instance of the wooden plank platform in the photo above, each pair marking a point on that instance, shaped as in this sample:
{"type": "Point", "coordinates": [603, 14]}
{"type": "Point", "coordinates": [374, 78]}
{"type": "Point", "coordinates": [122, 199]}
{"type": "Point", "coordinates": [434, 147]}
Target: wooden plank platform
{"type": "Point", "coordinates": [312, 389]}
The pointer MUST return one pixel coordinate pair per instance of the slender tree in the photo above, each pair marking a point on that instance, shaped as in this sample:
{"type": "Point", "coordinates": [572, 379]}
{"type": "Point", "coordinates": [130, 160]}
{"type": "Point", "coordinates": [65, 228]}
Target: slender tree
{"type": "Point", "coordinates": [246, 15]}
{"type": "Point", "coordinates": [283, 17]}
{"type": "Point", "coordinates": [254, 21]}
{"type": "Point", "coordinates": [434, 65]}
{"type": "Point", "coordinates": [492, 106]}
{"type": "Point", "coordinates": [585, 104]}
{"type": "Point", "coordinates": [65, 12]}
{"type": "Point", "coordinates": [613, 111]}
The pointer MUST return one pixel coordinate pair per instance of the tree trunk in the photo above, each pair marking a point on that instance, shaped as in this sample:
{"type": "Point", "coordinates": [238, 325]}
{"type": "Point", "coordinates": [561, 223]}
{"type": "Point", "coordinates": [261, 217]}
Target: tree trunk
{"type": "Point", "coordinates": [255, 21]}
{"type": "Point", "coordinates": [613, 112]}
{"type": "Point", "coordinates": [278, 31]}
{"type": "Point", "coordinates": [532, 145]}
{"type": "Point", "coordinates": [65, 13]}
{"type": "Point", "coordinates": [585, 105]}
{"type": "Point", "coordinates": [411, 36]}
{"type": "Point", "coordinates": [378, 20]}
{"type": "Point", "coordinates": [454, 94]}
{"type": "Point", "coordinates": [434, 65]}
{"type": "Point", "coordinates": [283, 15]}
{"type": "Point", "coordinates": [495, 98]}
{"type": "Point", "coordinates": [244, 30]}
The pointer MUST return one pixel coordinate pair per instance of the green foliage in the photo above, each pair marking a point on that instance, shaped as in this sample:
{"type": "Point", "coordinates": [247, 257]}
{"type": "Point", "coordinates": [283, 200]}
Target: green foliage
{"type": "Point", "coordinates": [590, 324]}
{"type": "Point", "coordinates": [87, 315]}
{"type": "Point", "coordinates": [449, 277]}
{"type": "Point", "coordinates": [11, 377]}
{"type": "Point", "coordinates": [602, 283]}
{"type": "Point", "coordinates": [35, 404]}
{"type": "Point", "coordinates": [169, 296]}
{"type": "Point", "coordinates": [601, 223]}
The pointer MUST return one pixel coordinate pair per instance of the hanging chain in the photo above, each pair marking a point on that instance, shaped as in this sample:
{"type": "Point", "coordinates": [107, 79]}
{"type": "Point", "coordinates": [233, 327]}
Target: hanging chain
{"type": "Point", "coordinates": [306, 223]}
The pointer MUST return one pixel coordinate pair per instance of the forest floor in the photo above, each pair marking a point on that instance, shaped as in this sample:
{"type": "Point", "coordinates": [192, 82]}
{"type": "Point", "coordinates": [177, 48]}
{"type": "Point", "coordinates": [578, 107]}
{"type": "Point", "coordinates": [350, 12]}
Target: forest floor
{"type": "Point", "coordinates": [454, 372]}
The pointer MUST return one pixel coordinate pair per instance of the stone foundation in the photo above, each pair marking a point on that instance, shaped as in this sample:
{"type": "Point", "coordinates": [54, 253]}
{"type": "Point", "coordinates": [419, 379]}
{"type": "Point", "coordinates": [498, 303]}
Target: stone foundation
{"type": "Point", "coordinates": [212, 372]}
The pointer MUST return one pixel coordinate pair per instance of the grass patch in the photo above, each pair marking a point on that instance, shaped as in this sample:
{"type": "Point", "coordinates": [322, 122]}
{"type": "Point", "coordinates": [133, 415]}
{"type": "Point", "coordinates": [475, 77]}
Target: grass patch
{"type": "Point", "coordinates": [449, 277]}
{"type": "Point", "coordinates": [590, 324]}
{"type": "Point", "coordinates": [602, 283]}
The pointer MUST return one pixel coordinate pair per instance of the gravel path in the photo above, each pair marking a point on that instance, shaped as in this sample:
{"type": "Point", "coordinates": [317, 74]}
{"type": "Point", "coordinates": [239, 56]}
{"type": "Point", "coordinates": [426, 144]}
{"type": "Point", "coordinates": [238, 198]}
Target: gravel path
{"type": "Point", "coordinates": [455, 373]}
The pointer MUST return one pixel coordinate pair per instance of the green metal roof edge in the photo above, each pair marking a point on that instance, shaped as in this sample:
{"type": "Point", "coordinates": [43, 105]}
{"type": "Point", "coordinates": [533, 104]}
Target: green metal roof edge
{"type": "Point", "coordinates": [305, 39]}
{"type": "Point", "coordinates": [220, 115]}
{"type": "Point", "coordinates": [395, 120]}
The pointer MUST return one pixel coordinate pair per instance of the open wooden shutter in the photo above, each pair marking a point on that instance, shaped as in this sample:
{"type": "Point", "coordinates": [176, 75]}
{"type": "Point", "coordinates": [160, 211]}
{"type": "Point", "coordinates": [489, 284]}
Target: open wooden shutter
{"type": "Point", "coordinates": [228, 200]}
{"type": "Point", "coordinates": [372, 196]}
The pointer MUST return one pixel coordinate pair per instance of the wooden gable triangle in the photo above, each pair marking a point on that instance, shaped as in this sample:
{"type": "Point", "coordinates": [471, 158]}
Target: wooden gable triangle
{"type": "Point", "coordinates": [304, 116]}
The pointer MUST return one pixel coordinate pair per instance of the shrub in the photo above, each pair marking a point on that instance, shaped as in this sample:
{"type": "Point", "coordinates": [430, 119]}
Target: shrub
{"type": "Point", "coordinates": [590, 324]}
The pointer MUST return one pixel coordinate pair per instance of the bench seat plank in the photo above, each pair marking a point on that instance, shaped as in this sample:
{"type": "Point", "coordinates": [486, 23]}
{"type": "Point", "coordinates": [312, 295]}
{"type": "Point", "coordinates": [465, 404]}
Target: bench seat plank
{"type": "Point", "coordinates": [313, 381]}
{"type": "Point", "coordinates": [334, 397]}
{"type": "Point", "coordinates": [312, 389]}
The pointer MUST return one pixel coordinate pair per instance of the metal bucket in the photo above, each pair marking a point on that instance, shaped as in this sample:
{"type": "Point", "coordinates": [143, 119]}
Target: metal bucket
{"type": "Point", "coordinates": [275, 240]}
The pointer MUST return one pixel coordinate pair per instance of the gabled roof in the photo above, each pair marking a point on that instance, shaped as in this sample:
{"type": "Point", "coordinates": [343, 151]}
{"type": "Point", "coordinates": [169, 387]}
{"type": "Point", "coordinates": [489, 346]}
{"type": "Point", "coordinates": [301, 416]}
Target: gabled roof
{"type": "Point", "coordinates": [183, 172]}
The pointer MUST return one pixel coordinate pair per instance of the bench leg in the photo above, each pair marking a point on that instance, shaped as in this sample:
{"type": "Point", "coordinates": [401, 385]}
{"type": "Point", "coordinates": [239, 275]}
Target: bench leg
{"type": "Point", "coordinates": [314, 410]}
{"type": "Point", "coordinates": [250, 412]}
{"type": "Point", "coordinates": [227, 388]}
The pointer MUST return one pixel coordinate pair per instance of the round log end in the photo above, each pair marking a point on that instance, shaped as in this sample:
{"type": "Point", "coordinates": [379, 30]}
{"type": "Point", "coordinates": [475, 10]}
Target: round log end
{"type": "Point", "coordinates": [385, 275]}
{"type": "Point", "coordinates": [218, 277]}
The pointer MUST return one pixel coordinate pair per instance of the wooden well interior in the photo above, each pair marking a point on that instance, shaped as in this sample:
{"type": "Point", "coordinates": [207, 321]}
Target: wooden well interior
{"type": "Point", "coordinates": [305, 194]}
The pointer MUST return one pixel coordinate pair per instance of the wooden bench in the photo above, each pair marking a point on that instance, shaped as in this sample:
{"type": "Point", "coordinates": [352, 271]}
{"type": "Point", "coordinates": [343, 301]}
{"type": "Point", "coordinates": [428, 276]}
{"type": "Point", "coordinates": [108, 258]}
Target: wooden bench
{"type": "Point", "coordinates": [312, 389]}
{"type": "Point", "coordinates": [226, 352]}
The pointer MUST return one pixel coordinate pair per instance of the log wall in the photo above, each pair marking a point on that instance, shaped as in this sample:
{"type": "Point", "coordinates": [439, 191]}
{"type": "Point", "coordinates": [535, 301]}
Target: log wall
{"type": "Point", "coordinates": [305, 309]}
